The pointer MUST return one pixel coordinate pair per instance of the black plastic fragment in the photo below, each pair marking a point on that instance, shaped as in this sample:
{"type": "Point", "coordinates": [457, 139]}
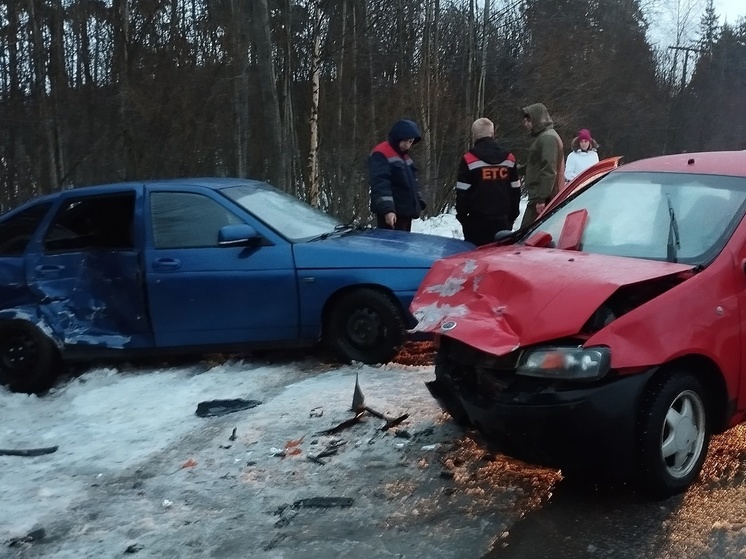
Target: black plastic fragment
{"type": "Point", "coordinates": [344, 425]}
{"type": "Point", "coordinates": [323, 502]}
{"type": "Point", "coordinates": [215, 408]}
{"type": "Point", "coordinates": [394, 422]}
{"type": "Point", "coordinates": [28, 451]}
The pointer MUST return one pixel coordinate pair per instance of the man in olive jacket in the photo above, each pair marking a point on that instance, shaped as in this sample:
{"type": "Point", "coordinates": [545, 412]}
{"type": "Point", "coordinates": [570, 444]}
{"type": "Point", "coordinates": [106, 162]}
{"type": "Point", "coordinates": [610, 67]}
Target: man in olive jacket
{"type": "Point", "coordinates": [545, 163]}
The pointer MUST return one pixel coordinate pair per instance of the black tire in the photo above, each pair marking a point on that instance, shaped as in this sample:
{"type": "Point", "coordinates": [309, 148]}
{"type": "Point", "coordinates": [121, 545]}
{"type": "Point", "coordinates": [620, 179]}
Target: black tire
{"type": "Point", "coordinates": [364, 325]}
{"type": "Point", "coordinates": [28, 358]}
{"type": "Point", "coordinates": [673, 433]}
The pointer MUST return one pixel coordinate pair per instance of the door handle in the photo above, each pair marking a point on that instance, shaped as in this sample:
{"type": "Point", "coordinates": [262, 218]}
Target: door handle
{"type": "Point", "coordinates": [49, 269]}
{"type": "Point", "coordinates": [166, 264]}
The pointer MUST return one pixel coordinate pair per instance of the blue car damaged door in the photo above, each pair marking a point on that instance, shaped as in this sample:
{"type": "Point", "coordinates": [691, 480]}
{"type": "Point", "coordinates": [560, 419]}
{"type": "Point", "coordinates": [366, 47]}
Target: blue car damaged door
{"type": "Point", "coordinates": [84, 270]}
{"type": "Point", "coordinates": [203, 293]}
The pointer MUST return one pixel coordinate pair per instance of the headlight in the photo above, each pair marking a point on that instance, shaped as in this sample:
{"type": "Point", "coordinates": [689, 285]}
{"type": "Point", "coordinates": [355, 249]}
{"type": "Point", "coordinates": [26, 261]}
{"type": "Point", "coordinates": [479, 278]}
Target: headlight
{"type": "Point", "coordinates": [566, 363]}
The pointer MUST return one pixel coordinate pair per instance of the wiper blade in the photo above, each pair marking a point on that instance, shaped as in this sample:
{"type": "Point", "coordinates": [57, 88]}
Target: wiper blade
{"type": "Point", "coordinates": [339, 230]}
{"type": "Point", "coordinates": [674, 241]}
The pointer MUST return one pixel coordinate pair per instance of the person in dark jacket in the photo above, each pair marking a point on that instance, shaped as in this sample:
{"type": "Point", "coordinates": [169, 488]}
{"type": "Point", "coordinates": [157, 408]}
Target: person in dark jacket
{"type": "Point", "coordinates": [394, 191]}
{"type": "Point", "coordinates": [488, 190]}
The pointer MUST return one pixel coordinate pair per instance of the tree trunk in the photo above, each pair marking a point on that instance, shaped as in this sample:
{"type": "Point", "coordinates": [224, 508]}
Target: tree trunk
{"type": "Point", "coordinates": [121, 72]}
{"type": "Point", "coordinates": [58, 92]}
{"type": "Point", "coordinates": [294, 174]}
{"type": "Point", "coordinates": [313, 153]}
{"type": "Point", "coordinates": [483, 62]}
{"type": "Point", "coordinates": [338, 149]}
{"type": "Point", "coordinates": [240, 57]}
{"type": "Point", "coordinates": [12, 144]}
{"type": "Point", "coordinates": [47, 163]}
{"type": "Point", "coordinates": [269, 100]}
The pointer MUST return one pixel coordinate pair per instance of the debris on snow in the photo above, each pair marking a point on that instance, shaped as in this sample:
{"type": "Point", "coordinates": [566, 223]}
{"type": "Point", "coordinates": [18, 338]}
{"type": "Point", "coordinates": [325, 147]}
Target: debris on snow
{"type": "Point", "coordinates": [344, 425]}
{"type": "Point", "coordinates": [28, 451]}
{"type": "Point", "coordinates": [31, 537]}
{"type": "Point", "coordinates": [215, 408]}
{"type": "Point", "coordinates": [358, 399]}
{"type": "Point", "coordinates": [323, 502]}
{"type": "Point", "coordinates": [291, 447]}
{"type": "Point", "coordinates": [394, 422]}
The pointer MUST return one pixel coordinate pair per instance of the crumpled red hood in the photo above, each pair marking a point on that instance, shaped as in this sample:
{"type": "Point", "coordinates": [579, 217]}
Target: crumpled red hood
{"type": "Point", "coordinates": [499, 299]}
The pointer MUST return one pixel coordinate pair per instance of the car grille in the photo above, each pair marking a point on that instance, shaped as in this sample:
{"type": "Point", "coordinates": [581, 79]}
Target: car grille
{"type": "Point", "coordinates": [481, 375]}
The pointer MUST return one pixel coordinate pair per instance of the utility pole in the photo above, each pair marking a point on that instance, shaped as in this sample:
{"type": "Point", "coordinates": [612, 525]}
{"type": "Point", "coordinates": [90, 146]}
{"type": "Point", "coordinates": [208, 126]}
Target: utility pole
{"type": "Point", "coordinates": [686, 50]}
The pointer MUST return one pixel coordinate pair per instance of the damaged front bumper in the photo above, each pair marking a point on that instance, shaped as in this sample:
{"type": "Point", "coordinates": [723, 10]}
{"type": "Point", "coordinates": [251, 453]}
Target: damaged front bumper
{"type": "Point", "coordinates": [576, 427]}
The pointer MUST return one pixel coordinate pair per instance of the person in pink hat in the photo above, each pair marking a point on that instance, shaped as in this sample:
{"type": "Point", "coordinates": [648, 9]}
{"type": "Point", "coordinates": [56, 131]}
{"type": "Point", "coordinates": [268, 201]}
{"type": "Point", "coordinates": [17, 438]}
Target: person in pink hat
{"type": "Point", "coordinates": [582, 156]}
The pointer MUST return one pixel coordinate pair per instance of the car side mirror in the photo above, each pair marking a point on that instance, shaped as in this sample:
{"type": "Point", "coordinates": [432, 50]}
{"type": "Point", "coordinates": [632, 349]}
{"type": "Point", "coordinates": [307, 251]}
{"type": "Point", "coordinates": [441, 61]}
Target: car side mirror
{"type": "Point", "coordinates": [239, 234]}
{"type": "Point", "coordinates": [572, 230]}
{"type": "Point", "coordinates": [743, 265]}
{"type": "Point", "coordinates": [501, 235]}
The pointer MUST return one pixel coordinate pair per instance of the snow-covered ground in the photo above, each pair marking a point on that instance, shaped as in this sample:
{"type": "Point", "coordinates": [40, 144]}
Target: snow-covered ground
{"type": "Point", "coordinates": [132, 468]}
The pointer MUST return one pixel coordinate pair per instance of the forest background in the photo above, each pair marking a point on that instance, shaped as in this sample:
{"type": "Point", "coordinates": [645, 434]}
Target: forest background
{"type": "Point", "coordinates": [297, 92]}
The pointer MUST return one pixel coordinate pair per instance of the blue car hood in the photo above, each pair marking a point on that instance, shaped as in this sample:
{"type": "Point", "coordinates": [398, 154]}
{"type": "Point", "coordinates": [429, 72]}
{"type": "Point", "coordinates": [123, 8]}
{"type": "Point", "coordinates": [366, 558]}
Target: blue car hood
{"type": "Point", "coordinates": [377, 248]}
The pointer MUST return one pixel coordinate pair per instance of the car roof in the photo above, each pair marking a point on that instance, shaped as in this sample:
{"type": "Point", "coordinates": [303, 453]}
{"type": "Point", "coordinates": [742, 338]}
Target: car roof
{"type": "Point", "coordinates": [214, 183]}
{"type": "Point", "coordinates": [730, 163]}
{"type": "Point", "coordinates": [207, 182]}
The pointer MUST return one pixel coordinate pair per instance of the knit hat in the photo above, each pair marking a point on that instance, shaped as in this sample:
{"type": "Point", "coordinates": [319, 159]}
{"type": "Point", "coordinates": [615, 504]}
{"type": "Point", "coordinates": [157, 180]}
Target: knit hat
{"type": "Point", "coordinates": [585, 134]}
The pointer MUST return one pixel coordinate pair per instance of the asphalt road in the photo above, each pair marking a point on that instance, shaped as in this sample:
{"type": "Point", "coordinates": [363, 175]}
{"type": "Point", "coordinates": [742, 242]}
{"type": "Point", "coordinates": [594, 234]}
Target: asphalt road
{"type": "Point", "coordinates": [591, 522]}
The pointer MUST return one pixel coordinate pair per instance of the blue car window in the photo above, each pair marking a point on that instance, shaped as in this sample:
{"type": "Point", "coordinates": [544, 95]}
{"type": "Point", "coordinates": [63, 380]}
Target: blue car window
{"type": "Point", "coordinates": [187, 220]}
{"type": "Point", "coordinates": [16, 230]}
{"type": "Point", "coordinates": [93, 222]}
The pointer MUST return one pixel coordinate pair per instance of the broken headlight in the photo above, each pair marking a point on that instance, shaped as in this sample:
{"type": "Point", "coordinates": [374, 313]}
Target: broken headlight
{"type": "Point", "coordinates": [565, 363]}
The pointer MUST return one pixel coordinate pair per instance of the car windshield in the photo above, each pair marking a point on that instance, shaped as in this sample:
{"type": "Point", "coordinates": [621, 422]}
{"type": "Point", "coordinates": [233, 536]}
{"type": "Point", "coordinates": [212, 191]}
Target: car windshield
{"type": "Point", "coordinates": [285, 214]}
{"type": "Point", "coordinates": [659, 216]}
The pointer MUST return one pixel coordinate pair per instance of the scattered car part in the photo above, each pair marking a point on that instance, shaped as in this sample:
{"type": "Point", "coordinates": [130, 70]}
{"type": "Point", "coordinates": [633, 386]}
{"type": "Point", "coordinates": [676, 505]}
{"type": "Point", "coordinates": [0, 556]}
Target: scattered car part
{"type": "Point", "coordinates": [214, 408]}
{"type": "Point", "coordinates": [28, 451]}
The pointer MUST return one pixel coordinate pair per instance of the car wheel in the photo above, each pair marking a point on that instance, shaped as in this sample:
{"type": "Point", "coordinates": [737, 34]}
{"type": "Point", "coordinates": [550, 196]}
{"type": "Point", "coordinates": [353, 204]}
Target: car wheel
{"type": "Point", "coordinates": [364, 325]}
{"type": "Point", "coordinates": [673, 434]}
{"type": "Point", "coordinates": [28, 358]}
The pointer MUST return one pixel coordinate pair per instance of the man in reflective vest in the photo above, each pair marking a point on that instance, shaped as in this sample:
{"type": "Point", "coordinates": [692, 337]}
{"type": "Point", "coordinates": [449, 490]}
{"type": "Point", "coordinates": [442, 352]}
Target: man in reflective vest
{"type": "Point", "coordinates": [488, 190]}
{"type": "Point", "coordinates": [394, 191]}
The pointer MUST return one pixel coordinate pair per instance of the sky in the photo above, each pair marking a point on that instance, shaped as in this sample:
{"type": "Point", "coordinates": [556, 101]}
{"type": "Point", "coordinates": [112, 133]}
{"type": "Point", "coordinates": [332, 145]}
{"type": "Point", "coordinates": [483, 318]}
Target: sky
{"type": "Point", "coordinates": [663, 19]}
{"type": "Point", "coordinates": [730, 10]}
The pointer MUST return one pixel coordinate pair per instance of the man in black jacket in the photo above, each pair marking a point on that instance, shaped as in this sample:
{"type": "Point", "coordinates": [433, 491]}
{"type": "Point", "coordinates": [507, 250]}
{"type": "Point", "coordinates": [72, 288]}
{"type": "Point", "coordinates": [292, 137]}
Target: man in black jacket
{"type": "Point", "coordinates": [394, 190]}
{"type": "Point", "coordinates": [488, 190]}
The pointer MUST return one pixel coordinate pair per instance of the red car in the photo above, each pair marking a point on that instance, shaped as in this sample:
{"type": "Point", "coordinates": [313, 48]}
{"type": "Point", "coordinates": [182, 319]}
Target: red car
{"type": "Point", "coordinates": [610, 335]}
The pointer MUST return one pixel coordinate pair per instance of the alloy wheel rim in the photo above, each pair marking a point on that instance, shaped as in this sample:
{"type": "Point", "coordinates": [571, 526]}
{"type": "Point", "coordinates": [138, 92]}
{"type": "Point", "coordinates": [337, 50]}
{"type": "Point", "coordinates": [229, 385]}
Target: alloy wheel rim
{"type": "Point", "coordinates": [683, 434]}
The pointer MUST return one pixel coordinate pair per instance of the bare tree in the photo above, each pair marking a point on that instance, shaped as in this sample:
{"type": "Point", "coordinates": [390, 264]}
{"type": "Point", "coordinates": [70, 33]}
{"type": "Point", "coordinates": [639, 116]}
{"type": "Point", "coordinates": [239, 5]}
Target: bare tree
{"type": "Point", "coordinates": [277, 157]}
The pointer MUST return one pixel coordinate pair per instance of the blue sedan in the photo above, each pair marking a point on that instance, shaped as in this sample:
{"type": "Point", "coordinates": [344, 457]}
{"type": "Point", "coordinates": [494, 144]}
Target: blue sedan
{"type": "Point", "coordinates": [197, 265]}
